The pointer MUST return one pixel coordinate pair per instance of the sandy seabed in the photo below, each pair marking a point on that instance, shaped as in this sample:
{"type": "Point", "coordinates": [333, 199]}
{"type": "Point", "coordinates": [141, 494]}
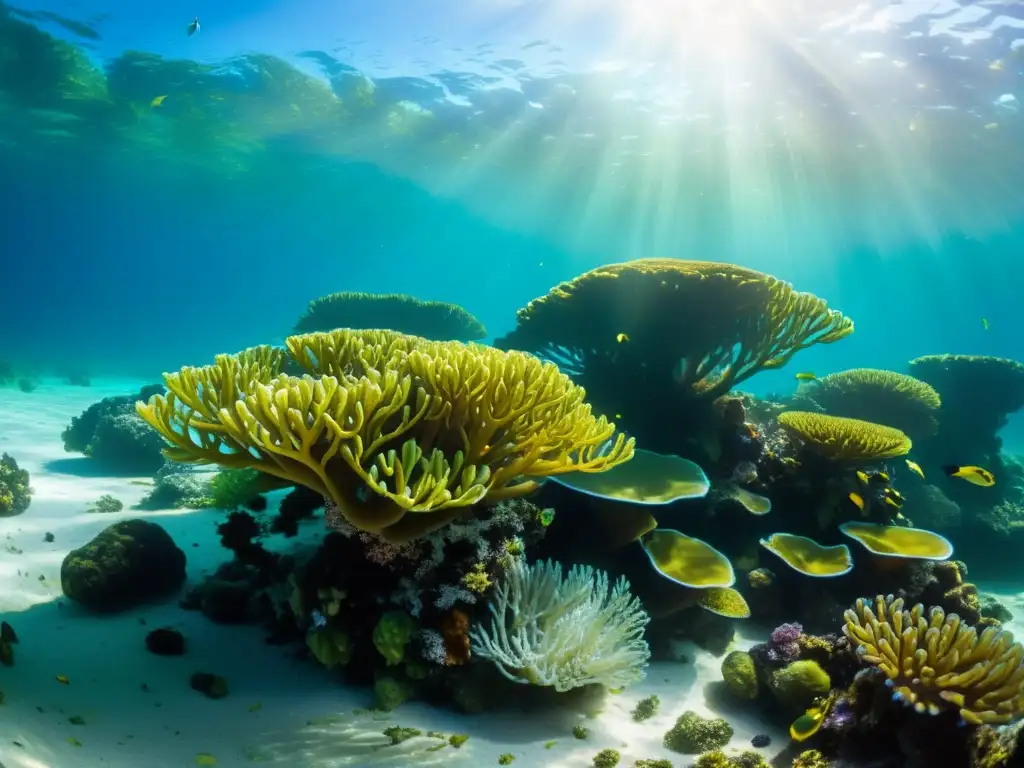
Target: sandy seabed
{"type": "Point", "coordinates": [138, 709]}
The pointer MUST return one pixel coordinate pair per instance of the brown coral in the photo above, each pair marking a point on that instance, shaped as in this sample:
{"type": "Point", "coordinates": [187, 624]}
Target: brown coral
{"type": "Point", "coordinates": [842, 439]}
{"type": "Point", "coordinates": [455, 627]}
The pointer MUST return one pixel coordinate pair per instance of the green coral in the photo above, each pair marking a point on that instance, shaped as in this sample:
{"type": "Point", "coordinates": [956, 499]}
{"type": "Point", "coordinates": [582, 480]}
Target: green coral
{"type": "Point", "coordinates": [390, 693]}
{"type": "Point", "coordinates": [606, 758]}
{"type": "Point", "coordinates": [234, 488]}
{"type": "Point", "coordinates": [106, 504]}
{"type": "Point", "coordinates": [580, 731]}
{"type": "Point", "coordinates": [810, 758]}
{"type": "Point", "coordinates": [398, 734]}
{"type": "Point", "coordinates": [477, 579]}
{"type": "Point", "coordinates": [662, 763]}
{"type": "Point", "coordinates": [716, 758]}
{"type": "Point", "coordinates": [693, 734]}
{"type": "Point", "coordinates": [506, 759]}
{"type": "Point", "coordinates": [800, 683]}
{"type": "Point", "coordinates": [331, 647]}
{"type": "Point", "coordinates": [646, 708]}
{"type": "Point", "coordinates": [458, 739]}
{"type": "Point", "coordinates": [393, 632]}
{"type": "Point", "coordinates": [15, 493]}
{"type": "Point", "coordinates": [740, 675]}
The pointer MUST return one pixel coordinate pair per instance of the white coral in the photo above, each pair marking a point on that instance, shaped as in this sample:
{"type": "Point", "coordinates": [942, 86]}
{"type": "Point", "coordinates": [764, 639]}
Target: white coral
{"type": "Point", "coordinates": [564, 632]}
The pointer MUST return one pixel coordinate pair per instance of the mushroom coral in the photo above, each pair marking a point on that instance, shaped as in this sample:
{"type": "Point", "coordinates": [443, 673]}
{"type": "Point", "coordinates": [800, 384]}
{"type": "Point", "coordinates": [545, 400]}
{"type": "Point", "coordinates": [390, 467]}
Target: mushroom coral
{"type": "Point", "coordinates": [384, 424]}
{"type": "Point", "coordinates": [435, 320]}
{"type": "Point", "coordinates": [883, 397]}
{"type": "Point", "coordinates": [934, 660]}
{"type": "Point", "coordinates": [841, 439]}
{"type": "Point", "coordinates": [672, 332]}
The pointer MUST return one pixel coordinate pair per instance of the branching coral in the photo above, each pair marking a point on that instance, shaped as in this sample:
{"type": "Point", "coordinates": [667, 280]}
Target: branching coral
{"type": "Point", "coordinates": [435, 320]}
{"type": "Point", "coordinates": [564, 632]}
{"type": "Point", "coordinates": [711, 325]}
{"type": "Point", "coordinates": [842, 439]}
{"type": "Point", "coordinates": [385, 424]}
{"type": "Point", "coordinates": [934, 661]}
{"type": "Point", "coordinates": [883, 397]}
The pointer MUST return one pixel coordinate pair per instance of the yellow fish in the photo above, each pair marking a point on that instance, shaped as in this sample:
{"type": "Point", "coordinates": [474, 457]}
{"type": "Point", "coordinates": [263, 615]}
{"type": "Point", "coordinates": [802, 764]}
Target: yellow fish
{"type": "Point", "coordinates": [974, 475]}
{"type": "Point", "coordinates": [915, 468]}
{"type": "Point", "coordinates": [158, 101]}
{"type": "Point", "coordinates": [622, 337]}
{"type": "Point", "coordinates": [73, 741]}
{"type": "Point", "coordinates": [996, 65]}
{"type": "Point", "coordinates": [205, 758]}
{"type": "Point", "coordinates": [810, 722]}
{"type": "Point", "coordinates": [894, 497]}
{"type": "Point", "coordinates": [991, 126]}
{"type": "Point", "coordinates": [863, 477]}
{"type": "Point", "coordinates": [806, 376]}
{"type": "Point", "coordinates": [984, 323]}
{"type": "Point", "coordinates": [62, 680]}
{"type": "Point", "coordinates": [858, 500]}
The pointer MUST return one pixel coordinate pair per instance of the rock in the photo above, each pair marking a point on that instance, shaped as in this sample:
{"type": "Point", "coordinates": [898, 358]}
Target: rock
{"type": "Point", "coordinates": [208, 684]}
{"type": "Point", "coordinates": [165, 642]}
{"type": "Point", "coordinates": [125, 565]}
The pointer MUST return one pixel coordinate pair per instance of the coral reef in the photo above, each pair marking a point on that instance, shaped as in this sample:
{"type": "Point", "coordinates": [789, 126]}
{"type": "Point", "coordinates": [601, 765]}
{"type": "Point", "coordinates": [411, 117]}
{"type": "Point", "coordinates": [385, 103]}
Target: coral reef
{"type": "Point", "coordinates": [435, 320]}
{"type": "Point", "coordinates": [693, 734]}
{"type": "Point", "coordinates": [672, 332]}
{"type": "Point", "coordinates": [111, 433]}
{"type": "Point", "coordinates": [126, 564]}
{"type": "Point", "coordinates": [934, 661]}
{"type": "Point", "coordinates": [385, 425]}
{"type": "Point", "coordinates": [882, 397]}
{"type": "Point", "coordinates": [15, 491]}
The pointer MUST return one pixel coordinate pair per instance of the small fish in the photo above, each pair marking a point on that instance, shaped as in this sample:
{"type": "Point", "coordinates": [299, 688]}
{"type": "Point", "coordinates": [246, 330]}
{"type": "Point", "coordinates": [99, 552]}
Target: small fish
{"type": "Point", "coordinates": [996, 65]}
{"type": "Point", "coordinates": [73, 741]}
{"type": "Point", "coordinates": [858, 500]}
{"type": "Point", "coordinates": [62, 680]}
{"type": "Point", "coordinates": [984, 323]}
{"type": "Point", "coordinates": [914, 467]}
{"type": "Point", "coordinates": [991, 126]}
{"type": "Point", "coordinates": [158, 101]}
{"type": "Point", "coordinates": [806, 376]}
{"type": "Point", "coordinates": [319, 620]}
{"type": "Point", "coordinates": [194, 27]}
{"type": "Point", "coordinates": [256, 707]}
{"type": "Point", "coordinates": [863, 477]}
{"type": "Point", "coordinates": [883, 476]}
{"type": "Point", "coordinates": [546, 516]}
{"type": "Point", "coordinates": [621, 337]}
{"type": "Point", "coordinates": [892, 502]}
{"type": "Point", "coordinates": [974, 475]}
{"type": "Point", "coordinates": [205, 758]}
{"type": "Point", "coordinates": [810, 722]}
{"type": "Point", "coordinates": [618, 415]}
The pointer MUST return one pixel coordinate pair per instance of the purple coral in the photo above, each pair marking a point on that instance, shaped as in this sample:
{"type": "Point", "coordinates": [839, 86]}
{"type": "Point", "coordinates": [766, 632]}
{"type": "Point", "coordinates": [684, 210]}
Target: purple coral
{"type": "Point", "coordinates": [841, 717]}
{"type": "Point", "coordinates": [784, 644]}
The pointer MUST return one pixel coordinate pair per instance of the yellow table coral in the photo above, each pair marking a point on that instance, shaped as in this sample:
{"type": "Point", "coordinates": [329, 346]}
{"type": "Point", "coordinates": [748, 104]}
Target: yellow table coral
{"type": "Point", "coordinates": [841, 439]}
{"type": "Point", "coordinates": [934, 660]}
{"type": "Point", "coordinates": [884, 397]}
{"type": "Point", "coordinates": [385, 424]}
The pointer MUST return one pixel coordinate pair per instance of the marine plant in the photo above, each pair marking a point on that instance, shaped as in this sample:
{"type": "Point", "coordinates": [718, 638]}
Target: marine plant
{"type": "Point", "coordinates": [384, 424]}
{"type": "Point", "coordinates": [842, 439]}
{"type": "Point", "coordinates": [693, 734]}
{"type": "Point", "coordinates": [740, 675]}
{"type": "Point", "coordinates": [567, 631]}
{"type": "Point", "coordinates": [935, 661]}
{"type": "Point", "coordinates": [435, 320]}
{"type": "Point", "coordinates": [882, 397]}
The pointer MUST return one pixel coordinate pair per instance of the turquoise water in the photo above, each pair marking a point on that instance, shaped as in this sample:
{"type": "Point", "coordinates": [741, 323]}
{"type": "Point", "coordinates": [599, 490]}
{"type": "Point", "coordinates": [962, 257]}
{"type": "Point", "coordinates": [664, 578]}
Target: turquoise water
{"type": "Point", "coordinates": [167, 197]}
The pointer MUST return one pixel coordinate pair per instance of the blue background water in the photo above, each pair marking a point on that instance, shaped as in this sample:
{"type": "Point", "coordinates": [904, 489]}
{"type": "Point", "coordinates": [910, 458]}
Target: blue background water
{"type": "Point", "coordinates": [132, 264]}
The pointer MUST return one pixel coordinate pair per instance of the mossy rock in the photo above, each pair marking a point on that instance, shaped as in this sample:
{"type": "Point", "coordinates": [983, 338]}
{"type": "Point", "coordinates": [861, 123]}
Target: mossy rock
{"type": "Point", "coordinates": [740, 675]}
{"type": "Point", "coordinates": [126, 564]}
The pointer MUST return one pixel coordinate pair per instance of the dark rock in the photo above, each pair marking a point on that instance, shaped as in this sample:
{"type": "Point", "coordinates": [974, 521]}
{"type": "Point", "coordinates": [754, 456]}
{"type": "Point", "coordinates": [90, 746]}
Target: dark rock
{"type": "Point", "coordinates": [48, 538]}
{"type": "Point", "coordinates": [208, 684]}
{"type": "Point", "coordinates": [761, 740]}
{"type": "Point", "coordinates": [127, 563]}
{"type": "Point", "coordinates": [165, 642]}
{"type": "Point", "coordinates": [226, 602]}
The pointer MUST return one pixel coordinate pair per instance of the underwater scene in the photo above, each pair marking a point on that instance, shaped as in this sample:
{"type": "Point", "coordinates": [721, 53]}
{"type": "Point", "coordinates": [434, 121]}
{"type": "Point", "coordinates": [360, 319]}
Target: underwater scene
{"type": "Point", "coordinates": [545, 383]}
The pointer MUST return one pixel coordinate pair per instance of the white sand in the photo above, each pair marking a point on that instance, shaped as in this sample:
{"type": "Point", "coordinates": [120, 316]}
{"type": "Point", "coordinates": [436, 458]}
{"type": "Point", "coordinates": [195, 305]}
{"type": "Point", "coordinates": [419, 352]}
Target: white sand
{"type": "Point", "coordinates": [279, 710]}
